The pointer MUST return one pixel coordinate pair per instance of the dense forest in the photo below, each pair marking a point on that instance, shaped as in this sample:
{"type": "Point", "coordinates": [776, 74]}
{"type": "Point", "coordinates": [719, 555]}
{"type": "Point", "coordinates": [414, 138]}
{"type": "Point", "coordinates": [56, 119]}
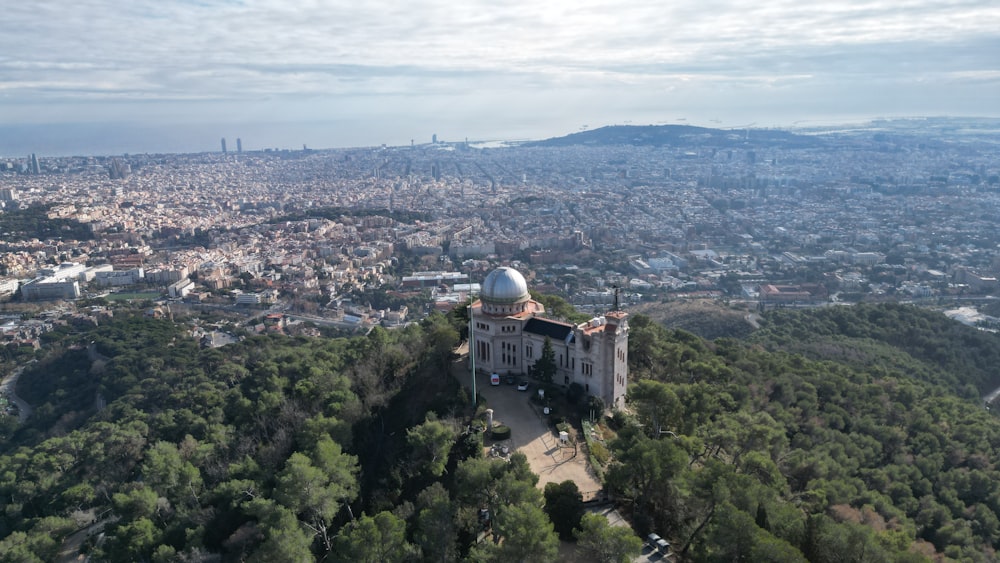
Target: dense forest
{"type": "Point", "coordinates": [841, 434]}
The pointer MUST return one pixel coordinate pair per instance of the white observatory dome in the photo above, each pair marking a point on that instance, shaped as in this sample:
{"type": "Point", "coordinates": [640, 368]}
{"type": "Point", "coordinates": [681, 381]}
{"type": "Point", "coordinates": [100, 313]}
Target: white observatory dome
{"type": "Point", "coordinates": [505, 285]}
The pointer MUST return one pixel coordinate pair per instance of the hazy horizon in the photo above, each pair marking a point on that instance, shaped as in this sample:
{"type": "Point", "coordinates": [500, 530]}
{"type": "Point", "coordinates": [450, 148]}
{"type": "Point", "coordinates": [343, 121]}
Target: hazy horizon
{"type": "Point", "coordinates": [108, 139]}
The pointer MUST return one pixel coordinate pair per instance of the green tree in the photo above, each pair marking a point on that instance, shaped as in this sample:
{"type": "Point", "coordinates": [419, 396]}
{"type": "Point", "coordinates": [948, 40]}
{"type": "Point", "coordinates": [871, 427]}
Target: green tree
{"type": "Point", "coordinates": [139, 502]}
{"type": "Point", "coordinates": [443, 339]}
{"type": "Point", "coordinates": [40, 543]}
{"type": "Point", "coordinates": [527, 536]}
{"type": "Point", "coordinates": [17, 548]}
{"type": "Point", "coordinates": [657, 406]}
{"type": "Point", "coordinates": [435, 530]}
{"type": "Point", "coordinates": [645, 469]}
{"type": "Point", "coordinates": [284, 539]}
{"type": "Point", "coordinates": [170, 475]}
{"type": "Point", "coordinates": [606, 543]}
{"type": "Point", "coordinates": [133, 540]}
{"type": "Point", "coordinates": [545, 368]}
{"type": "Point", "coordinates": [378, 539]}
{"type": "Point", "coordinates": [564, 506]}
{"type": "Point", "coordinates": [496, 486]}
{"type": "Point", "coordinates": [559, 308]}
{"type": "Point", "coordinates": [429, 444]}
{"type": "Point", "coordinates": [315, 488]}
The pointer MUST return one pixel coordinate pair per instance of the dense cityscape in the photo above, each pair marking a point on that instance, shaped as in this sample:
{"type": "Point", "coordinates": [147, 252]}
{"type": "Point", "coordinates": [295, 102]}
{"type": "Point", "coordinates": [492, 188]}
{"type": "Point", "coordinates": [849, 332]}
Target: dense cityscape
{"type": "Point", "coordinates": [898, 210]}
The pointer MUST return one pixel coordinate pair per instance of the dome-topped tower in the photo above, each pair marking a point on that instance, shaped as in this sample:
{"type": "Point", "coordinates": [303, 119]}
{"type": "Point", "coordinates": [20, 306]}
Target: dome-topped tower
{"type": "Point", "coordinates": [504, 292]}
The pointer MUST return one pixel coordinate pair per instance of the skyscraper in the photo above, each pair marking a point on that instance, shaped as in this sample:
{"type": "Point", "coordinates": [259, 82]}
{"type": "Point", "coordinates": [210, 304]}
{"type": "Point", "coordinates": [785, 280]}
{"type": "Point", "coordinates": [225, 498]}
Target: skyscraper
{"type": "Point", "coordinates": [35, 168]}
{"type": "Point", "coordinates": [239, 145]}
{"type": "Point", "coordinates": [223, 144]}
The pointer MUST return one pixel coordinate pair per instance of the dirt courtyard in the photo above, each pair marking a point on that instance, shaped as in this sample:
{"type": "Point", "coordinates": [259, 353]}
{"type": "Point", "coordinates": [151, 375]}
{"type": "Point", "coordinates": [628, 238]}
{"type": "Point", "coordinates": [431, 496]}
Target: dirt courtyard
{"type": "Point", "coordinates": [531, 435]}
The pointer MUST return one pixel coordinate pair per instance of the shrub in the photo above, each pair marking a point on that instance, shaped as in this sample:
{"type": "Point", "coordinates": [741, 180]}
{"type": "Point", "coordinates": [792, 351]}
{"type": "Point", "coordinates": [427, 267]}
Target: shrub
{"type": "Point", "coordinates": [600, 453]}
{"type": "Point", "coordinates": [501, 432]}
{"type": "Point", "coordinates": [618, 419]}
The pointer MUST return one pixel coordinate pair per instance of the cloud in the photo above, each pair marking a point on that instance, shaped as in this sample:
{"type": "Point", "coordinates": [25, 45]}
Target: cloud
{"type": "Point", "coordinates": [247, 52]}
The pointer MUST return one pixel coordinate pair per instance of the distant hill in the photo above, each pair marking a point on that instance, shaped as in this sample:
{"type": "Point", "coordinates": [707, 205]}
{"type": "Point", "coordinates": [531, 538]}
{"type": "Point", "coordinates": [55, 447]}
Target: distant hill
{"type": "Point", "coordinates": [707, 318]}
{"type": "Point", "coordinates": [681, 135]}
{"type": "Point", "coordinates": [900, 340]}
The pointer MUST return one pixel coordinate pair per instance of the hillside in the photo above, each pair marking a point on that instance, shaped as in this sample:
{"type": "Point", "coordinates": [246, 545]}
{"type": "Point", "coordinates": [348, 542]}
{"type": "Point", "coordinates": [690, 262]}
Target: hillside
{"type": "Point", "coordinates": [844, 434]}
{"type": "Point", "coordinates": [681, 136]}
{"type": "Point", "coordinates": [850, 434]}
{"type": "Point", "coordinates": [707, 318]}
{"type": "Point", "coordinates": [901, 340]}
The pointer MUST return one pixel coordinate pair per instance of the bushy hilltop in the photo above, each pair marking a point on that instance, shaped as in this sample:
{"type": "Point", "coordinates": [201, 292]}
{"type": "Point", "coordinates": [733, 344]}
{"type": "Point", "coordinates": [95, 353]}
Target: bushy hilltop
{"type": "Point", "coordinates": [839, 434]}
{"type": "Point", "coordinates": [842, 434]}
{"type": "Point", "coordinates": [681, 136]}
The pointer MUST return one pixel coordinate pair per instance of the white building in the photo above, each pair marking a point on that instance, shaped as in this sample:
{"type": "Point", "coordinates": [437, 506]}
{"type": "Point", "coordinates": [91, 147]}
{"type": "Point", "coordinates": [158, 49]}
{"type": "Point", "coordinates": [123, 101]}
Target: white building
{"type": "Point", "coordinates": [510, 332]}
{"type": "Point", "coordinates": [248, 299]}
{"type": "Point", "coordinates": [50, 288]}
{"type": "Point", "coordinates": [90, 273]}
{"type": "Point", "coordinates": [8, 287]}
{"type": "Point", "coordinates": [63, 271]}
{"type": "Point", "coordinates": [180, 288]}
{"type": "Point", "coordinates": [118, 278]}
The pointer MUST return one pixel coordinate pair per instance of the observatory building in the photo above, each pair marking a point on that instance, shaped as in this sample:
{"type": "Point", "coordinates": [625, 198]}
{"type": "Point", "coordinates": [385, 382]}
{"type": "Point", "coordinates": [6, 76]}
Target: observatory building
{"type": "Point", "coordinates": [509, 331]}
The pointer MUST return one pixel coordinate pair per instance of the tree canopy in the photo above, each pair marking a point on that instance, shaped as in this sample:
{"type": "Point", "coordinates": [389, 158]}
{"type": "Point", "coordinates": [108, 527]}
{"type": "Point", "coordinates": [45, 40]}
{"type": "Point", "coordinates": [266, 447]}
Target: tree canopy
{"type": "Point", "coordinates": [852, 432]}
{"type": "Point", "coordinates": [849, 433]}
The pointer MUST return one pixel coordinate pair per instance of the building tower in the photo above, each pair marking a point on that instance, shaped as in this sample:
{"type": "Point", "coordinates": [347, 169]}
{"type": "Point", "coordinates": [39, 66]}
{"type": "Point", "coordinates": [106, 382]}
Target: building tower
{"type": "Point", "coordinates": [35, 168]}
{"type": "Point", "coordinates": [223, 145]}
{"type": "Point", "coordinates": [117, 170]}
{"type": "Point", "coordinates": [239, 145]}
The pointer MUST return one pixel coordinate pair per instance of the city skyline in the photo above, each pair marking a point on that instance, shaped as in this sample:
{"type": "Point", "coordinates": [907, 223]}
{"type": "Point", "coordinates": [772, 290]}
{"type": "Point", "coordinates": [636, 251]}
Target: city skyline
{"type": "Point", "coordinates": [97, 78]}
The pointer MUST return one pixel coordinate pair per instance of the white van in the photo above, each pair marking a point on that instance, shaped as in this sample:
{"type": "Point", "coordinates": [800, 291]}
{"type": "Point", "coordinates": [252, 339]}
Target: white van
{"type": "Point", "coordinates": [495, 379]}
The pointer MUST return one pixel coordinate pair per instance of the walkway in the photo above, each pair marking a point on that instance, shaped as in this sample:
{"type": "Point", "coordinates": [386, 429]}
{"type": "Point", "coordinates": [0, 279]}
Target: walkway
{"type": "Point", "coordinates": [7, 387]}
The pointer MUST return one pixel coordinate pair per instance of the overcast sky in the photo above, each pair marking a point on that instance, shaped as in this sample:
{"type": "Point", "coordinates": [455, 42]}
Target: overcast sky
{"type": "Point", "coordinates": [349, 73]}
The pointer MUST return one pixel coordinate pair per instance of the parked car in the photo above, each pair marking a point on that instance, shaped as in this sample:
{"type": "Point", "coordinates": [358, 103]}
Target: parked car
{"type": "Point", "coordinates": [522, 386]}
{"type": "Point", "coordinates": [510, 379]}
{"type": "Point", "coordinates": [658, 544]}
{"type": "Point", "coordinates": [663, 546]}
{"type": "Point", "coordinates": [495, 379]}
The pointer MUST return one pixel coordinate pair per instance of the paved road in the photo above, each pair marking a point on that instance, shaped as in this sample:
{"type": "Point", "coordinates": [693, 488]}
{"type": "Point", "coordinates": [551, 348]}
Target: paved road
{"type": "Point", "coordinates": [7, 388]}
